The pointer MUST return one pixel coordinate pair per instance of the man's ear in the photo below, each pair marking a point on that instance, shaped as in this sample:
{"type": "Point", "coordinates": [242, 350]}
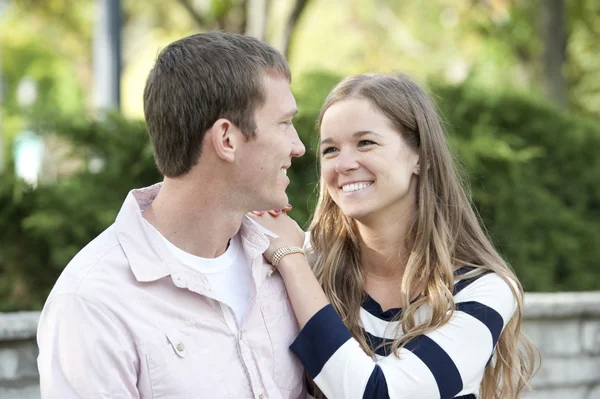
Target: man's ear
{"type": "Point", "coordinates": [224, 138]}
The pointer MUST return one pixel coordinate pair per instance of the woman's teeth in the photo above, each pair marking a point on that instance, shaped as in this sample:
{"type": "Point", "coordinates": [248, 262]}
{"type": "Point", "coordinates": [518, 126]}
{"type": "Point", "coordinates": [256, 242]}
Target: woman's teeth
{"type": "Point", "coordinates": [348, 188]}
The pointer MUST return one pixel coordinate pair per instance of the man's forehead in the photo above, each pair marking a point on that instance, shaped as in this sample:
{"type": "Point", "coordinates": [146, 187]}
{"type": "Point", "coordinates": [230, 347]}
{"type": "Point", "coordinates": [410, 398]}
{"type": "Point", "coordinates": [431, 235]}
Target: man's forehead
{"type": "Point", "coordinates": [278, 96]}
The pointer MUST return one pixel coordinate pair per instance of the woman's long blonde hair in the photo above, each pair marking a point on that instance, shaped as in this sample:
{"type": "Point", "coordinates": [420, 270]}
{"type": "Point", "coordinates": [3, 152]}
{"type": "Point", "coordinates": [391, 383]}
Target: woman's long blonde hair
{"type": "Point", "coordinates": [445, 234]}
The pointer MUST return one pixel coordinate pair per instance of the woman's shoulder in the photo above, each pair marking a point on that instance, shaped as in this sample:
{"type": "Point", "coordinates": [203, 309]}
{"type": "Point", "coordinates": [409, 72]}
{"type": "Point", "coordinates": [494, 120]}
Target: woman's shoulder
{"type": "Point", "coordinates": [488, 288]}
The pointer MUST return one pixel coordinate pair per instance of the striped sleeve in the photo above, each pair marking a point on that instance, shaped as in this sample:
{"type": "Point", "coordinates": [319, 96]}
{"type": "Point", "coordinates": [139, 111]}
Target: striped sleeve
{"type": "Point", "coordinates": [444, 363]}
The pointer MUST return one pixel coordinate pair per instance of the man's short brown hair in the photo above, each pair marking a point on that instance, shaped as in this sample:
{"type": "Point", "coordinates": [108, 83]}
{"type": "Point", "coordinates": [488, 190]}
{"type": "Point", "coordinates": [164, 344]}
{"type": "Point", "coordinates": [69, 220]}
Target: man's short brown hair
{"type": "Point", "coordinates": [198, 80]}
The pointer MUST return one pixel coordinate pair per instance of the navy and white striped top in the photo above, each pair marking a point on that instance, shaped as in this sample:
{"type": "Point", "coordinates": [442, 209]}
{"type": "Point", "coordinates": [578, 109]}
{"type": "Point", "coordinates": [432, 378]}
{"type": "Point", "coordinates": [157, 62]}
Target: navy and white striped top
{"type": "Point", "coordinates": [448, 362]}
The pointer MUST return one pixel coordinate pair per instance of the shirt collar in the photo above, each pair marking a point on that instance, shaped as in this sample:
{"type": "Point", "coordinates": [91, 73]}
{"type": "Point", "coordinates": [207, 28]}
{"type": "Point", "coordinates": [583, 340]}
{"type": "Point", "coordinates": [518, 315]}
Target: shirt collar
{"type": "Point", "coordinates": [149, 257]}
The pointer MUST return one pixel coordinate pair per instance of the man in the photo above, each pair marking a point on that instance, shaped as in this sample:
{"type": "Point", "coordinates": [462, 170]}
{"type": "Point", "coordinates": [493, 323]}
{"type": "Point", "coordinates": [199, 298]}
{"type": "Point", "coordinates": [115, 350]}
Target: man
{"type": "Point", "coordinates": [175, 299]}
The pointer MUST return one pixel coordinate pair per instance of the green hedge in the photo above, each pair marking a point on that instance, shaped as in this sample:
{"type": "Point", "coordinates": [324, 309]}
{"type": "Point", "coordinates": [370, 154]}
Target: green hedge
{"type": "Point", "coordinates": [43, 229]}
{"type": "Point", "coordinates": [535, 178]}
{"type": "Point", "coordinates": [533, 174]}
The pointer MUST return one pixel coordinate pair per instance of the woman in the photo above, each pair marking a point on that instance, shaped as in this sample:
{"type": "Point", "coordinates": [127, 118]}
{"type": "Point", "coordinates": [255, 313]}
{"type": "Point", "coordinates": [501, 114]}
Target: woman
{"type": "Point", "coordinates": [409, 299]}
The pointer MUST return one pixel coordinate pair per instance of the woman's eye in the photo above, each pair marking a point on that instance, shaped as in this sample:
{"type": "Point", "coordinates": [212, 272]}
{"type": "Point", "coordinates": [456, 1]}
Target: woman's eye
{"type": "Point", "coordinates": [363, 143]}
{"type": "Point", "coordinates": [328, 150]}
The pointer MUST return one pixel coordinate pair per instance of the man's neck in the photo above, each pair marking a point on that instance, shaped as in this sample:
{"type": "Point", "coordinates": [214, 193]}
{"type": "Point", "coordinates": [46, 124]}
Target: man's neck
{"type": "Point", "coordinates": [199, 221]}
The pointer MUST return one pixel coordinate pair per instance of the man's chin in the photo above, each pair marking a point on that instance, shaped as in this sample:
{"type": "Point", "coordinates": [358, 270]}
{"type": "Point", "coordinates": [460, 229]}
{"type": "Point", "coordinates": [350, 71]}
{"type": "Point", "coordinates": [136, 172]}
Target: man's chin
{"type": "Point", "coordinates": [275, 203]}
{"type": "Point", "coordinates": [280, 202]}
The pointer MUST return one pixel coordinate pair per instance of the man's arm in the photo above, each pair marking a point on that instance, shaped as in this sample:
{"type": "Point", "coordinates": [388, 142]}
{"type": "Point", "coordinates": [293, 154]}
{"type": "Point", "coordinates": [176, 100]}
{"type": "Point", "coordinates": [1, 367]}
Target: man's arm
{"type": "Point", "coordinates": [84, 353]}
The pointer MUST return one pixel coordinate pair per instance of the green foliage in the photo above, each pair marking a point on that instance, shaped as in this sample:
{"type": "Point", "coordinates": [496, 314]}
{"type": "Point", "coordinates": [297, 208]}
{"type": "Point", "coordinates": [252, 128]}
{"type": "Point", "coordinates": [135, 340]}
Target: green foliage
{"type": "Point", "coordinates": [21, 254]}
{"type": "Point", "coordinates": [533, 174]}
{"type": "Point", "coordinates": [44, 228]}
{"type": "Point", "coordinates": [310, 92]}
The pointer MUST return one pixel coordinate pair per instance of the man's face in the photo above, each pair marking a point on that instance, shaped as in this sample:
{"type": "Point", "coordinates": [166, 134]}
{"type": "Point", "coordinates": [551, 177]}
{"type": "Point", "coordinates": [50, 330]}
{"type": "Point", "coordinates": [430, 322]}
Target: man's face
{"type": "Point", "coordinates": [267, 156]}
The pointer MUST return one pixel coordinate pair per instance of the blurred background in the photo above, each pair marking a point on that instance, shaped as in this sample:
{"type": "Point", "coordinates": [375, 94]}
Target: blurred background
{"type": "Point", "coordinates": [517, 81]}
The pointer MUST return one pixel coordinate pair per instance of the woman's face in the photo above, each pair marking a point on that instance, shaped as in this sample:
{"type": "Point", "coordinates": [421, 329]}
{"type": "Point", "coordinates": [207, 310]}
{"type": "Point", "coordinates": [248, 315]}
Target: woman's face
{"type": "Point", "coordinates": [366, 165]}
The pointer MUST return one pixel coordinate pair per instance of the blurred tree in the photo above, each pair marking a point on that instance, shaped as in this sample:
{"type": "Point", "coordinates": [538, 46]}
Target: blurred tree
{"type": "Point", "coordinates": [495, 43]}
{"type": "Point", "coordinates": [44, 228]}
{"type": "Point", "coordinates": [148, 25]}
{"type": "Point", "coordinates": [291, 24]}
{"type": "Point", "coordinates": [248, 17]}
{"type": "Point", "coordinates": [583, 56]}
{"type": "Point", "coordinates": [490, 43]}
{"type": "Point", "coordinates": [41, 23]}
{"type": "Point", "coordinates": [554, 43]}
{"type": "Point", "coordinates": [27, 54]}
{"type": "Point", "coordinates": [534, 181]}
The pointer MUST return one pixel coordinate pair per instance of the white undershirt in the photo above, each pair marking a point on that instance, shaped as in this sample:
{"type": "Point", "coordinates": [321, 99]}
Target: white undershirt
{"type": "Point", "coordinates": [230, 275]}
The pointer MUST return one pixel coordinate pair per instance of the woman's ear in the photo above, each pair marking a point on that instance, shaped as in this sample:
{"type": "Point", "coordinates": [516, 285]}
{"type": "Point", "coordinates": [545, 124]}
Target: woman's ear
{"type": "Point", "coordinates": [224, 139]}
{"type": "Point", "coordinates": [417, 168]}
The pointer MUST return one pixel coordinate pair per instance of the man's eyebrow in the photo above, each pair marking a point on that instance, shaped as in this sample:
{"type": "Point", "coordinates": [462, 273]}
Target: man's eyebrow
{"type": "Point", "coordinates": [291, 114]}
{"type": "Point", "coordinates": [358, 134]}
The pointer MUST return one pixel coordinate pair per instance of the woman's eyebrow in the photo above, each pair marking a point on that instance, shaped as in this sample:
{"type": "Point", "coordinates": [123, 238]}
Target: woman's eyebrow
{"type": "Point", "coordinates": [358, 134]}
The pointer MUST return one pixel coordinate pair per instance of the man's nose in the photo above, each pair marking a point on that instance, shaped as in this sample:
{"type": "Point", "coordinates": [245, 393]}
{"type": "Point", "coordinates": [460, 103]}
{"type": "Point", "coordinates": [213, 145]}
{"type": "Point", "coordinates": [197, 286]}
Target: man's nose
{"type": "Point", "coordinates": [298, 148]}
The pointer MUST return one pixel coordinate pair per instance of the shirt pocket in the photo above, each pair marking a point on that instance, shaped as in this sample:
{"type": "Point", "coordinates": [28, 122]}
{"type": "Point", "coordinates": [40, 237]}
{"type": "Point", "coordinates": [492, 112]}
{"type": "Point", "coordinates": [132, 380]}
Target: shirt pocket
{"type": "Point", "coordinates": [282, 329]}
{"type": "Point", "coordinates": [180, 365]}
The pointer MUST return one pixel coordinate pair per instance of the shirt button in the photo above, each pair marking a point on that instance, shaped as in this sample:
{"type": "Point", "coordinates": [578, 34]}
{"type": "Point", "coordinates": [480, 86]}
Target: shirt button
{"type": "Point", "coordinates": [261, 396]}
{"type": "Point", "coordinates": [180, 347]}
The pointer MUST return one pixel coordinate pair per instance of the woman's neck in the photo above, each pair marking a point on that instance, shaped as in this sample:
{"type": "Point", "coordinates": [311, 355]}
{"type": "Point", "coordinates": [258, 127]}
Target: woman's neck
{"type": "Point", "coordinates": [384, 256]}
{"type": "Point", "coordinates": [383, 247]}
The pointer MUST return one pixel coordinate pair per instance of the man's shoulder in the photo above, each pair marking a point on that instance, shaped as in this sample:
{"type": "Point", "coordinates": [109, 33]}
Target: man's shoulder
{"type": "Point", "coordinates": [311, 256]}
{"type": "Point", "coordinates": [101, 256]}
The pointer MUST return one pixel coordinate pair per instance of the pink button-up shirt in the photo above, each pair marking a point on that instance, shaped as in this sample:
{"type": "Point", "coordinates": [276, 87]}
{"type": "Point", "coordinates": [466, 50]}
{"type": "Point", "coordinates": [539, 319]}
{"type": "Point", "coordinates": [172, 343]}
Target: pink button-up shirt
{"type": "Point", "coordinates": [127, 320]}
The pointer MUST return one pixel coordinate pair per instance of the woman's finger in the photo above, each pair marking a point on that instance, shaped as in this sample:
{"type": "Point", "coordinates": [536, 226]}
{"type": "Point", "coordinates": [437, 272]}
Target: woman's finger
{"type": "Point", "coordinates": [258, 213]}
{"type": "Point", "coordinates": [275, 212]}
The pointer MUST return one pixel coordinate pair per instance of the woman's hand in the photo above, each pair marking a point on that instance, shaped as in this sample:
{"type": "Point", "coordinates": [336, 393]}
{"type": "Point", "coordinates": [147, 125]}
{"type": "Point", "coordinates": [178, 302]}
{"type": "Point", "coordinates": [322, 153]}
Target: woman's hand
{"type": "Point", "coordinates": [274, 212]}
{"type": "Point", "coordinates": [304, 291]}
{"type": "Point", "coordinates": [290, 234]}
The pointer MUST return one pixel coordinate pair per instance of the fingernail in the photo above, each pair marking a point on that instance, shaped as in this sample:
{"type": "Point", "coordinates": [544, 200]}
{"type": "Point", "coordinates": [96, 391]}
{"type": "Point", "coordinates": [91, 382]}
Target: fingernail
{"type": "Point", "coordinates": [277, 211]}
{"type": "Point", "coordinates": [289, 206]}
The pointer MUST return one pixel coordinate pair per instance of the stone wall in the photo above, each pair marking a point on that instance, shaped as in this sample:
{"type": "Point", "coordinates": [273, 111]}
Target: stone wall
{"type": "Point", "coordinates": [564, 326]}
{"type": "Point", "coordinates": [18, 352]}
{"type": "Point", "coordinates": [566, 329]}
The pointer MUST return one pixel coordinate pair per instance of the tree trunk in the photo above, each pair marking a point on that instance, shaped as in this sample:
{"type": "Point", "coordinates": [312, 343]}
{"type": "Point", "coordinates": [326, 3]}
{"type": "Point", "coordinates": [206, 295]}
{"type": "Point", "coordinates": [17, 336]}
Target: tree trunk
{"type": "Point", "coordinates": [107, 55]}
{"type": "Point", "coordinates": [554, 40]}
{"type": "Point", "coordinates": [290, 26]}
{"type": "Point", "coordinates": [257, 18]}
{"type": "Point", "coordinates": [250, 17]}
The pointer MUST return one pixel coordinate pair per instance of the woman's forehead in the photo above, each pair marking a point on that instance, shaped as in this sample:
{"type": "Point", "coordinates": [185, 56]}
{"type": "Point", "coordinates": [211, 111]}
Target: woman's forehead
{"type": "Point", "coordinates": [351, 117]}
